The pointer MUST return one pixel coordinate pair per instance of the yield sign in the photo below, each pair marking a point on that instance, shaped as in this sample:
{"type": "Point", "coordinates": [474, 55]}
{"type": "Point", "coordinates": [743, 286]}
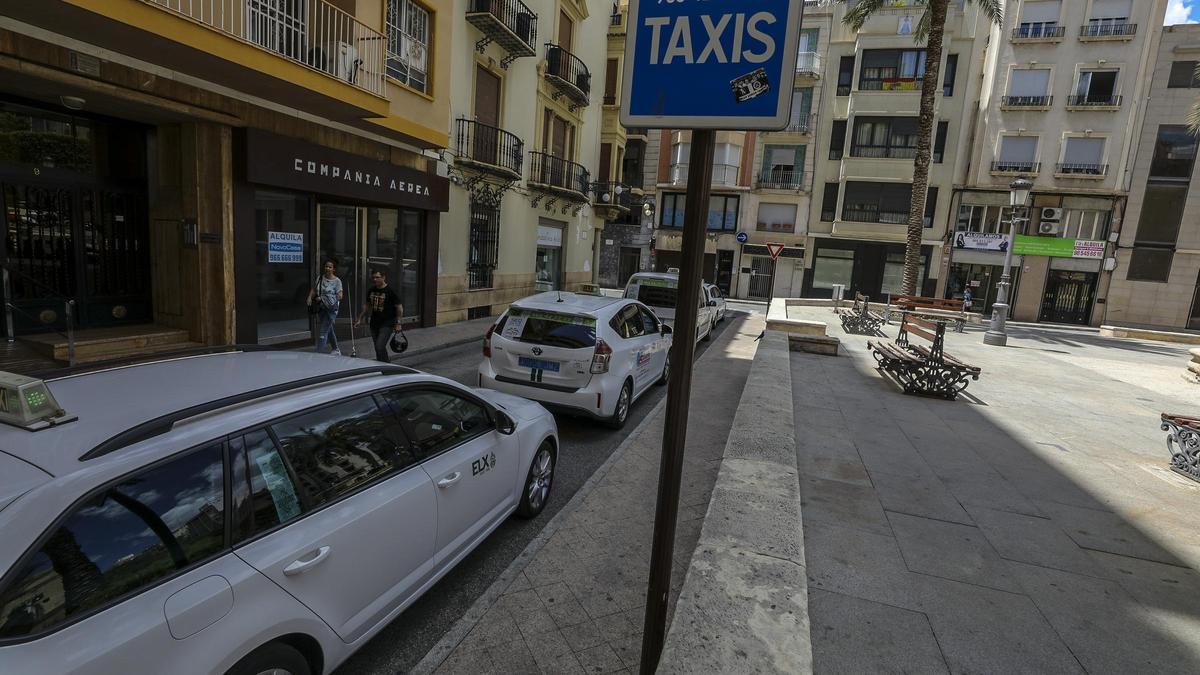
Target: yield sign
{"type": "Point", "coordinates": [774, 250]}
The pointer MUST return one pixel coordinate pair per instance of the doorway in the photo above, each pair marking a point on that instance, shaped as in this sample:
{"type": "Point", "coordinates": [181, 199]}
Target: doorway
{"type": "Point", "coordinates": [1068, 297]}
{"type": "Point", "coordinates": [762, 277]}
{"type": "Point", "coordinates": [725, 272]}
{"type": "Point", "coordinates": [363, 240]}
{"type": "Point", "coordinates": [631, 263]}
{"type": "Point", "coordinates": [487, 114]}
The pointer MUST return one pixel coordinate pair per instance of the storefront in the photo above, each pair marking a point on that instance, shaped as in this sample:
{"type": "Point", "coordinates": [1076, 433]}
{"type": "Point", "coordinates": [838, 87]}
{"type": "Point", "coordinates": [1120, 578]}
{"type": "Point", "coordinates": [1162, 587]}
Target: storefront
{"type": "Point", "coordinates": [549, 260]}
{"type": "Point", "coordinates": [875, 270]}
{"type": "Point", "coordinates": [976, 264]}
{"type": "Point", "coordinates": [1072, 275]}
{"type": "Point", "coordinates": [298, 205]}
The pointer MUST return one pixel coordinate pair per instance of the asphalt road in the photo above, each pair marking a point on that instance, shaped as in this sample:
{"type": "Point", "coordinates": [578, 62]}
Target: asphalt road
{"type": "Point", "coordinates": [585, 446]}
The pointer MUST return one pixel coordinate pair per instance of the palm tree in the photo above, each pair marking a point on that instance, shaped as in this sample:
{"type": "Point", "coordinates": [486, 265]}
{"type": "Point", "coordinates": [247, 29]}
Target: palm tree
{"type": "Point", "coordinates": [931, 29]}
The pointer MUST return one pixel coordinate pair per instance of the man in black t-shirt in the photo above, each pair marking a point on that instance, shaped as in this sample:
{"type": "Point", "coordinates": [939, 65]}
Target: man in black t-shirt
{"type": "Point", "coordinates": [385, 310]}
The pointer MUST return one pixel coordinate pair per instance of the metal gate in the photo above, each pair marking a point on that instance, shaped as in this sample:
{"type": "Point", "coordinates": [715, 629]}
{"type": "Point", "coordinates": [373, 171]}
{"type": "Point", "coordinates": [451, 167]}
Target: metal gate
{"type": "Point", "coordinates": [762, 277]}
{"type": "Point", "coordinates": [1068, 297]}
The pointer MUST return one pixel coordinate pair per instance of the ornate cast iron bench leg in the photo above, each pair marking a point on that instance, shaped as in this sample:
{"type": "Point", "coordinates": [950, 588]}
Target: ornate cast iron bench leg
{"type": "Point", "coordinates": [1184, 445]}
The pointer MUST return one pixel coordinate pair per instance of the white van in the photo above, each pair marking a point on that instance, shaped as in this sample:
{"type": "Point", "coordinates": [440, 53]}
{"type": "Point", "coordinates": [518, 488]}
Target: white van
{"type": "Point", "coordinates": [660, 290]}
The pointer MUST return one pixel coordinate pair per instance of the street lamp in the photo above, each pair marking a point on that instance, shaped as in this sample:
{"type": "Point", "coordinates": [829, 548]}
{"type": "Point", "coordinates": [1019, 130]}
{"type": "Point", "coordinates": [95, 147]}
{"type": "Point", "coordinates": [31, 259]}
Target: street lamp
{"type": "Point", "coordinates": [1018, 193]}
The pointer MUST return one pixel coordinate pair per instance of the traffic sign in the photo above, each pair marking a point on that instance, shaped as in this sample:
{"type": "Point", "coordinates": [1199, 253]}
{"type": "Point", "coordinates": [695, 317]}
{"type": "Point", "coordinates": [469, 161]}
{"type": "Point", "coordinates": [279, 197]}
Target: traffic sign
{"type": "Point", "coordinates": [742, 237]}
{"type": "Point", "coordinates": [774, 250]}
{"type": "Point", "coordinates": [710, 64]}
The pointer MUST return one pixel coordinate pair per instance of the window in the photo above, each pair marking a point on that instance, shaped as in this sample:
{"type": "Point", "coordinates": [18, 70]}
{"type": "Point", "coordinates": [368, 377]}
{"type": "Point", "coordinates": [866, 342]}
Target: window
{"type": "Point", "coordinates": [1162, 213]}
{"type": "Point", "coordinates": [119, 541]}
{"type": "Point", "coordinates": [650, 322]}
{"type": "Point", "coordinates": [776, 217]}
{"type": "Point", "coordinates": [483, 249]}
{"type": "Point", "coordinates": [845, 75]}
{"type": "Point", "coordinates": [610, 82]}
{"type": "Point", "coordinates": [950, 75]}
{"type": "Point", "coordinates": [727, 161]}
{"type": "Point", "coordinates": [1085, 224]}
{"type": "Point", "coordinates": [986, 219]}
{"type": "Point", "coordinates": [1096, 87]}
{"type": "Point", "coordinates": [1028, 86]}
{"type": "Point", "coordinates": [837, 139]}
{"type": "Point", "coordinates": [939, 142]}
{"type": "Point", "coordinates": [628, 322]}
{"type": "Point", "coordinates": [892, 70]}
{"type": "Point", "coordinates": [1174, 153]}
{"type": "Point", "coordinates": [1107, 15]}
{"type": "Point", "coordinates": [548, 328]}
{"type": "Point", "coordinates": [1039, 19]}
{"type": "Point", "coordinates": [1183, 75]}
{"type": "Point", "coordinates": [271, 497]}
{"type": "Point", "coordinates": [783, 166]}
{"type": "Point", "coordinates": [722, 211]}
{"type": "Point", "coordinates": [338, 449]}
{"type": "Point", "coordinates": [930, 207]}
{"type": "Point", "coordinates": [1084, 156]}
{"type": "Point", "coordinates": [436, 421]}
{"type": "Point", "coordinates": [801, 110]}
{"type": "Point", "coordinates": [1150, 264]}
{"type": "Point", "coordinates": [407, 26]}
{"type": "Point", "coordinates": [829, 202]}
{"type": "Point", "coordinates": [832, 266]}
{"type": "Point", "coordinates": [884, 203]}
{"type": "Point", "coordinates": [885, 137]}
{"type": "Point", "coordinates": [893, 274]}
{"type": "Point", "coordinates": [1017, 153]}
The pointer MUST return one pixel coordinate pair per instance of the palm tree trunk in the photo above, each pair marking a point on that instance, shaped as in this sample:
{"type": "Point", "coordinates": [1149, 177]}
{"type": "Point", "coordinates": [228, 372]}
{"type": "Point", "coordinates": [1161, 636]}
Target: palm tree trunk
{"type": "Point", "coordinates": [920, 181]}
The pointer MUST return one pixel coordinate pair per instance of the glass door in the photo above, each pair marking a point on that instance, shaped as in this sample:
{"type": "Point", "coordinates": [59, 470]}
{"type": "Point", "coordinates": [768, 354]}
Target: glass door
{"type": "Point", "coordinates": [363, 240]}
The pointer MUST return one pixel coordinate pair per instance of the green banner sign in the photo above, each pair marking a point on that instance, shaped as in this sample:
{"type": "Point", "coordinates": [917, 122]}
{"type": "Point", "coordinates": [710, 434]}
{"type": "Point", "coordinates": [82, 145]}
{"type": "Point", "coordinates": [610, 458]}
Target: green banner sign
{"type": "Point", "coordinates": [1057, 247]}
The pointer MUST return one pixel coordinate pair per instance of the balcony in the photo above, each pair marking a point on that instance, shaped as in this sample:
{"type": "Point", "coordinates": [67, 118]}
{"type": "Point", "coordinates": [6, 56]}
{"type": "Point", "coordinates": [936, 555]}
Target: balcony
{"type": "Point", "coordinates": [508, 23]}
{"type": "Point", "coordinates": [780, 180]}
{"type": "Point", "coordinates": [559, 176]}
{"type": "Point", "coordinates": [1094, 102]}
{"type": "Point", "coordinates": [489, 149]}
{"type": "Point", "coordinates": [806, 125]}
{"type": "Point", "coordinates": [1026, 102]}
{"type": "Point", "coordinates": [725, 175]}
{"type": "Point", "coordinates": [1089, 171]}
{"type": "Point", "coordinates": [809, 65]}
{"type": "Point", "coordinates": [907, 84]}
{"type": "Point", "coordinates": [637, 132]}
{"type": "Point", "coordinates": [323, 38]}
{"type": "Point", "coordinates": [1015, 168]}
{"type": "Point", "coordinates": [611, 199]}
{"type": "Point", "coordinates": [569, 76]}
{"type": "Point", "coordinates": [883, 152]}
{"type": "Point", "coordinates": [1107, 31]}
{"type": "Point", "coordinates": [1034, 32]}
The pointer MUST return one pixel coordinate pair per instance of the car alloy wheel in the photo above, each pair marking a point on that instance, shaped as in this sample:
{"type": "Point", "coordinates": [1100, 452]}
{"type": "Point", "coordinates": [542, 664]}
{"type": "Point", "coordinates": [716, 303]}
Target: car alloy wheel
{"type": "Point", "coordinates": [538, 483]}
{"type": "Point", "coordinates": [621, 413]}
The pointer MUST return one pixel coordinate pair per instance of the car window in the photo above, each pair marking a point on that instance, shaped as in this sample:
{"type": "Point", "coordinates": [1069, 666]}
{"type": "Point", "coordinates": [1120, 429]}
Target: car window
{"type": "Point", "coordinates": [657, 293]}
{"type": "Point", "coordinates": [121, 540]}
{"type": "Point", "coordinates": [649, 321]}
{"type": "Point", "coordinates": [437, 420]}
{"type": "Point", "coordinates": [628, 323]}
{"type": "Point", "coordinates": [334, 450]}
{"type": "Point", "coordinates": [548, 328]}
{"type": "Point", "coordinates": [261, 474]}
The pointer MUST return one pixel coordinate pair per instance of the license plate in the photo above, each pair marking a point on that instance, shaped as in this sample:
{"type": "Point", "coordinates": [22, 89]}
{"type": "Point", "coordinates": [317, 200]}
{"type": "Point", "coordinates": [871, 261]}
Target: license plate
{"type": "Point", "coordinates": [538, 364]}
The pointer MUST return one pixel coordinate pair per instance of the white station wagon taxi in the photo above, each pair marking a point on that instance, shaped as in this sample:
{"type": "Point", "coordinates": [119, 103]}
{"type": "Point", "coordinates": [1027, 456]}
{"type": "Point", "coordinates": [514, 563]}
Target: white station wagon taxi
{"type": "Point", "coordinates": [660, 292]}
{"type": "Point", "coordinates": [577, 353]}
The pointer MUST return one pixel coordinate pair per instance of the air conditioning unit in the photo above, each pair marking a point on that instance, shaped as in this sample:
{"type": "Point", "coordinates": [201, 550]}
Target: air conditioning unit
{"type": "Point", "coordinates": [1047, 228]}
{"type": "Point", "coordinates": [343, 61]}
{"type": "Point", "coordinates": [1051, 215]}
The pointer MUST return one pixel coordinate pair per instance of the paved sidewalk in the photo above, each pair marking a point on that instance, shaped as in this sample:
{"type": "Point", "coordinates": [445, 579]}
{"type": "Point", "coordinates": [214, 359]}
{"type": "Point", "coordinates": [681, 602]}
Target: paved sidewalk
{"type": "Point", "coordinates": [573, 602]}
{"type": "Point", "coordinates": [1029, 527]}
{"type": "Point", "coordinates": [420, 340]}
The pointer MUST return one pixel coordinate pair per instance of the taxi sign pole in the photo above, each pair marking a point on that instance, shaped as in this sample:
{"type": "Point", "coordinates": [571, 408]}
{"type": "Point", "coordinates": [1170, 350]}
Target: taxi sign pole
{"type": "Point", "coordinates": [683, 350]}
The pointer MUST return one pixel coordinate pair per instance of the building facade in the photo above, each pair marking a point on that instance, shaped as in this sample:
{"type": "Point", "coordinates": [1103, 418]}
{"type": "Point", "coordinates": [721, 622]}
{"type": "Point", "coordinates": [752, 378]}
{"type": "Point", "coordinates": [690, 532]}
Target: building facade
{"type": "Point", "coordinates": [1156, 280]}
{"type": "Point", "coordinates": [181, 169]}
{"type": "Point", "coordinates": [1063, 94]}
{"type": "Point", "coordinates": [523, 159]}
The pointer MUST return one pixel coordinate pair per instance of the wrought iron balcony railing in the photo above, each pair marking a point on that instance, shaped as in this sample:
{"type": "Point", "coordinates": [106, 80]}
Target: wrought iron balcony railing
{"type": "Point", "coordinates": [569, 75]}
{"type": "Point", "coordinates": [1093, 101]}
{"type": "Point", "coordinates": [1039, 32]}
{"type": "Point", "coordinates": [1026, 101]}
{"type": "Point", "coordinates": [1082, 170]}
{"type": "Point", "coordinates": [723, 174]}
{"type": "Point", "coordinates": [508, 23]}
{"type": "Point", "coordinates": [809, 64]}
{"type": "Point", "coordinates": [491, 148]}
{"type": "Point", "coordinates": [807, 124]}
{"type": "Point", "coordinates": [780, 180]}
{"type": "Point", "coordinates": [1016, 167]}
{"type": "Point", "coordinates": [1108, 30]}
{"type": "Point", "coordinates": [319, 36]}
{"type": "Point", "coordinates": [556, 172]}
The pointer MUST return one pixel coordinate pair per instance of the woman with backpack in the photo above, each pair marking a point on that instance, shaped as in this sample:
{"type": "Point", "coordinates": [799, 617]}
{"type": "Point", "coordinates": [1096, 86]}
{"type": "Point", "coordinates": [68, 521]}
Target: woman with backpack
{"type": "Point", "coordinates": [327, 294]}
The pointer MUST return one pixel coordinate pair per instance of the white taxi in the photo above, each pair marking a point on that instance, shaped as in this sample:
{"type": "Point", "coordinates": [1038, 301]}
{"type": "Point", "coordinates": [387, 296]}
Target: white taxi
{"type": "Point", "coordinates": [660, 292]}
{"type": "Point", "coordinates": [577, 353]}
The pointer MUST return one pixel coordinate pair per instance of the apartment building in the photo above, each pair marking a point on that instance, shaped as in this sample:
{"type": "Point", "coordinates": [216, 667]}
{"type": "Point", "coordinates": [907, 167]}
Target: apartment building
{"type": "Point", "coordinates": [1156, 280]}
{"type": "Point", "coordinates": [1062, 99]}
{"type": "Point", "coordinates": [177, 170]}
{"type": "Point", "coordinates": [525, 151]}
{"type": "Point", "coordinates": [862, 179]}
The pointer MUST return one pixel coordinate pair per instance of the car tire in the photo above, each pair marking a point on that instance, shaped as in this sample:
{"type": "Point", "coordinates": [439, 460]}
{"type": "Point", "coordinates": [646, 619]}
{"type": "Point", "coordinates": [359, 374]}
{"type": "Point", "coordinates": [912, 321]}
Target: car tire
{"type": "Point", "coordinates": [273, 657]}
{"type": "Point", "coordinates": [621, 412]}
{"type": "Point", "coordinates": [538, 482]}
{"type": "Point", "coordinates": [707, 333]}
{"type": "Point", "coordinates": [666, 373]}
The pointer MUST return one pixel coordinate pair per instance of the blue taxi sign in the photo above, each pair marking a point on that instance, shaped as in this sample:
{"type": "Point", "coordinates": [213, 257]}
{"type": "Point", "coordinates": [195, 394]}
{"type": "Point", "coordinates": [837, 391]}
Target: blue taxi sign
{"type": "Point", "coordinates": [710, 64]}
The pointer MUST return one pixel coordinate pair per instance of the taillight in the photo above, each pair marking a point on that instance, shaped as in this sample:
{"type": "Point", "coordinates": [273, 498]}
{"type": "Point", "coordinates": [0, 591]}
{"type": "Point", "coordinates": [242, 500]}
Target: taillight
{"type": "Point", "coordinates": [487, 341]}
{"type": "Point", "coordinates": [601, 357]}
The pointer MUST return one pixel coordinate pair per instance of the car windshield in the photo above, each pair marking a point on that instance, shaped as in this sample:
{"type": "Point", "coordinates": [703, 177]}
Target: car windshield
{"type": "Point", "coordinates": [657, 292]}
{"type": "Point", "coordinates": [549, 328]}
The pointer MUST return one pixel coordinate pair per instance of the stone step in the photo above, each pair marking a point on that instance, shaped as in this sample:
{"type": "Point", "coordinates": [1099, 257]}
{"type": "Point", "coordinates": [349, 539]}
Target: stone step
{"type": "Point", "coordinates": [105, 343]}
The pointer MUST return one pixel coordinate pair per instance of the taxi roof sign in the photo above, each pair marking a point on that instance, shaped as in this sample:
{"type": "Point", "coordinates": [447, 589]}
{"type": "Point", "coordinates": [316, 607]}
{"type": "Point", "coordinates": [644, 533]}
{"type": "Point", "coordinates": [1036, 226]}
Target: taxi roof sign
{"type": "Point", "coordinates": [27, 403]}
{"type": "Point", "coordinates": [710, 64]}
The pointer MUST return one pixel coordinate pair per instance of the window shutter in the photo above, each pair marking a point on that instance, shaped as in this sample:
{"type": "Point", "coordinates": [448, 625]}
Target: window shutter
{"type": "Point", "coordinates": [1018, 149]}
{"type": "Point", "coordinates": [1084, 151]}
{"type": "Point", "coordinates": [1110, 9]}
{"type": "Point", "coordinates": [1029, 82]}
{"type": "Point", "coordinates": [1040, 12]}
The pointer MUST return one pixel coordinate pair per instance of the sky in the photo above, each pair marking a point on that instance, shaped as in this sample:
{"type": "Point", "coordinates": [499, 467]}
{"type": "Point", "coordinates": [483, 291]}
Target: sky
{"type": "Point", "coordinates": [1182, 11]}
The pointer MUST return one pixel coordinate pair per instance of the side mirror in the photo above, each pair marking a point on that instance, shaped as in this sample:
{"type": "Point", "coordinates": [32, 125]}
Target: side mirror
{"type": "Point", "coordinates": [505, 424]}
{"type": "Point", "coordinates": [712, 303]}
{"type": "Point", "coordinates": [666, 330]}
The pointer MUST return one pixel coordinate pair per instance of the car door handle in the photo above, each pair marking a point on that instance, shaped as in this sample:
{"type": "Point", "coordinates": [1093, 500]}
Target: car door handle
{"type": "Point", "coordinates": [450, 480]}
{"type": "Point", "coordinates": [302, 566]}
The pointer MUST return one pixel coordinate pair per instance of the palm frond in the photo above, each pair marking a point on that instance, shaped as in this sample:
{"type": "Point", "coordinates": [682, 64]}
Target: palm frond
{"type": "Point", "coordinates": [858, 14]}
{"type": "Point", "coordinates": [1193, 118]}
{"type": "Point", "coordinates": [994, 9]}
{"type": "Point", "coordinates": [921, 31]}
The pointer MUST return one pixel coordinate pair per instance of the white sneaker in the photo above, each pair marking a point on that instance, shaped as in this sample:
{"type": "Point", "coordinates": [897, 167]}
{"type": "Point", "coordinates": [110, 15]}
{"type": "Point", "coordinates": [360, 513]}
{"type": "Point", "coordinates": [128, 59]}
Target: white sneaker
{"type": "Point", "coordinates": [336, 352]}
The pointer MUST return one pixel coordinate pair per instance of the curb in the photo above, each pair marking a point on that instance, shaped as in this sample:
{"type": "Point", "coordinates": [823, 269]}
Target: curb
{"type": "Point", "coordinates": [461, 628]}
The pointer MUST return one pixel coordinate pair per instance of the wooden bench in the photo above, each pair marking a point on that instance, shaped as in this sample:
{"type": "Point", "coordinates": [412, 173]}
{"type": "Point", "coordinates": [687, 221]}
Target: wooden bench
{"type": "Point", "coordinates": [915, 303]}
{"type": "Point", "coordinates": [1183, 443]}
{"type": "Point", "coordinates": [919, 369]}
{"type": "Point", "coordinates": [860, 318]}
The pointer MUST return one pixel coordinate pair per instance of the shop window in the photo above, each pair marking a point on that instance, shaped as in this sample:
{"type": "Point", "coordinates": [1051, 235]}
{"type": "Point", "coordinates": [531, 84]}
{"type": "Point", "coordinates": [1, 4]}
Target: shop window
{"type": "Point", "coordinates": [829, 202]}
{"type": "Point", "coordinates": [484, 245]}
{"type": "Point", "coordinates": [548, 264]}
{"type": "Point", "coordinates": [1174, 153]}
{"type": "Point", "coordinates": [893, 274]}
{"type": "Point", "coordinates": [1183, 75]}
{"type": "Point", "coordinates": [1150, 264]}
{"type": "Point", "coordinates": [777, 218]}
{"type": "Point", "coordinates": [408, 30]}
{"type": "Point", "coordinates": [837, 140]}
{"type": "Point", "coordinates": [832, 266]}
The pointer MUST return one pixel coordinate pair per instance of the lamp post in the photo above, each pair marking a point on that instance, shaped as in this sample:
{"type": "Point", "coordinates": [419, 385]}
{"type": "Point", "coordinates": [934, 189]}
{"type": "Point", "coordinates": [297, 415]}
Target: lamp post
{"type": "Point", "coordinates": [1018, 193]}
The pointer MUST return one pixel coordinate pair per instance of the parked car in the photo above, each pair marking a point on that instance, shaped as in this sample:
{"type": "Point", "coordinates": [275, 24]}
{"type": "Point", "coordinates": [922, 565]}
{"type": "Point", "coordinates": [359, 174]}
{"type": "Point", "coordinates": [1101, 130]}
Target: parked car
{"type": "Point", "coordinates": [660, 292]}
{"type": "Point", "coordinates": [582, 354]}
{"type": "Point", "coordinates": [716, 300]}
{"type": "Point", "coordinates": [244, 512]}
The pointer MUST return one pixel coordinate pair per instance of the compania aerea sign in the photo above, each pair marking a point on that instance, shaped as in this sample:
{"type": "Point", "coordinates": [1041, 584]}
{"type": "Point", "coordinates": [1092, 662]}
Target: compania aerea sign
{"type": "Point", "coordinates": [710, 64]}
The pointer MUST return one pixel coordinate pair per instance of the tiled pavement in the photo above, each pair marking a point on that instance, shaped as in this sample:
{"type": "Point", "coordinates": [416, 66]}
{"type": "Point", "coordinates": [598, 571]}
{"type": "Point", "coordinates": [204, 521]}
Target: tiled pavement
{"type": "Point", "coordinates": [1030, 527]}
{"type": "Point", "coordinates": [577, 605]}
